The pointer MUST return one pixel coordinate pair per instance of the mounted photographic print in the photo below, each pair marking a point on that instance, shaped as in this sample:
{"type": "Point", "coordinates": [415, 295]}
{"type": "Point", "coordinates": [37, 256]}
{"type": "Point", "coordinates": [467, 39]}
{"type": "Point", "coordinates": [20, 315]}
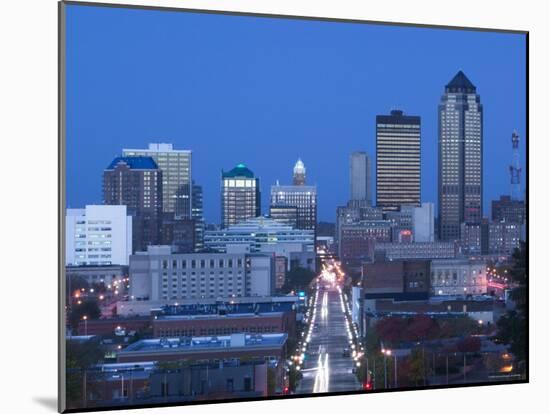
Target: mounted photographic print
{"type": "Point", "coordinates": [258, 206]}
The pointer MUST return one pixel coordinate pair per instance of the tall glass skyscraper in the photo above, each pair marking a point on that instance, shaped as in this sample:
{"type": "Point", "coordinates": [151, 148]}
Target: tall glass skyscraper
{"type": "Point", "coordinates": [176, 176]}
{"type": "Point", "coordinates": [360, 177]}
{"type": "Point", "coordinates": [240, 195]}
{"type": "Point", "coordinates": [397, 160]}
{"type": "Point", "coordinates": [460, 186]}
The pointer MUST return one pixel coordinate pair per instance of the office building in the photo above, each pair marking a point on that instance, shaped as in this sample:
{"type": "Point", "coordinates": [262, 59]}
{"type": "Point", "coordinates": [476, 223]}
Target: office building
{"type": "Point", "coordinates": [460, 157]}
{"type": "Point", "coordinates": [397, 160]}
{"type": "Point", "coordinates": [360, 178]}
{"type": "Point", "coordinates": [98, 235]}
{"type": "Point", "coordinates": [416, 250]}
{"type": "Point", "coordinates": [176, 176]}
{"type": "Point", "coordinates": [136, 182]}
{"type": "Point", "coordinates": [160, 274]}
{"type": "Point", "coordinates": [226, 347]}
{"type": "Point", "coordinates": [504, 237]}
{"type": "Point", "coordinates": [264, 235]}
{"type": "Point", "coordinates": [397, 279]}
{"type": "Point", "coordinates": [508, 210]}
{"type": "Point", "coordinates": [197, 216]}
{"type": "Point", "coordinates": [97, 274]}
{"type": "Point", "coordinates": [424, 223]}
{"type": "Point", "coordinates": [357, 240]}
{"type": "Point", "coordinates": [287, 215]}
{"type": "Point", "coordinates": [240, 195]}
{"type": "Point", "coordinates": [178, 233]}
{"type": "Point", "coordinates": [301, 196]}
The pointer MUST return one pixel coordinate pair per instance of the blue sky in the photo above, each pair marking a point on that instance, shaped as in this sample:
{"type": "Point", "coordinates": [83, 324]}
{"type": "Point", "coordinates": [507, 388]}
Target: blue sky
{"type": "Point", "coordinates": [265, 91]}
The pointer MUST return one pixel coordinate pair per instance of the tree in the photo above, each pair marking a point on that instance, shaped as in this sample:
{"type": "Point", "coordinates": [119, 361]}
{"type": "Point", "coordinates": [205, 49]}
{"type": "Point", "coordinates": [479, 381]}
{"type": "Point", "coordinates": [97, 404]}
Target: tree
{"type": "Point", "coordinates": [75, 283]}
{"type": "Point", "coordinates": [419, 328]}
{"type": "Point", "coordinates": [298, 278]}
{"type": "Point", "coordinates": [390, 329]}
{"type": "Point", "coordinates": [416, 367]}
{"type": "Point", "coordinates": [512, 327]}
{"type": "Point", "coordinates": [88, 308]}
{"type": "Point", "coordinates": [469, 344]}
{"type": "Point", "coordinates": [80, 356]}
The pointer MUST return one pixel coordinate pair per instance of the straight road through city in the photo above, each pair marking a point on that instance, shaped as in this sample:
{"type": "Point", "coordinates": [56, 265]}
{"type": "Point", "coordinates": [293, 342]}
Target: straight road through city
{"type": "Point", "coordinates": [325, 369]}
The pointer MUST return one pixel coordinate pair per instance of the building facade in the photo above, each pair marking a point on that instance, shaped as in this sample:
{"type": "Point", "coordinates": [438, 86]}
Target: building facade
{"type": "Point", "coordinates": [357, 240]}
{"type": "Point", "coordinates": [458, 277]}
{"type": "Point", "coordinates": [264, 235]}
{"type": "Point", "coordinates": [159, 274]}
{"type": "Point", "coordinates": [98, 235]}
{"type": "Point", "coordinates": [416, 250]}
{"type": "Point", "coordinates": [508, 209]}
{"type": "Point", "coordinates": [136, 182]}
{"type": "Point", "coordinates": [301, 196]}
{"type": "Point", "coordinates": [460, 186]}
{"type": "Point", "coordinates": [197, 216]}
{"type": "Point", "coordinates": [504, 237]}
{"type": "Point", "coordinates": [176, 176]}
{"type": "Point", "coordinates": [424, 223]}
{"type": "Point", "coordinates": [240, 195]}
{"type": "Point", "coordinates": [397, 160]}
{"type": "Point", "coordinates": [360, 177]}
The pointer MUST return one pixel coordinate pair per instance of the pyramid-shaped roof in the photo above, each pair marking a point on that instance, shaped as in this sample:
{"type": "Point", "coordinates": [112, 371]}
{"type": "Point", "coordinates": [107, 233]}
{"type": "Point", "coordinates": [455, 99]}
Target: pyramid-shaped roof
{"type": "Point", "coordinates": [460, 83]}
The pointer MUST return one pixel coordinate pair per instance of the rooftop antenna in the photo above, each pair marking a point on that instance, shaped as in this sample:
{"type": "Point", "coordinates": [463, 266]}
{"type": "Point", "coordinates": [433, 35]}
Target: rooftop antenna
{"type": "Point", "coordinates": [515, 169]}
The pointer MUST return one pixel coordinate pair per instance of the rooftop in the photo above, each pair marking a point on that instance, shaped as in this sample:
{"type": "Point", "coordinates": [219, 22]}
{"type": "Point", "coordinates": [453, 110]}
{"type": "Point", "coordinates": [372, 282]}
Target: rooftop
{"type": "Point", "coordinates": [194, 344]}
{"type": "Point", "coordinates": [229, 309]}
{"type": "Point", "coordinates": [240, 170]}
{"type": "Point", "coordinates": [134, 163]}
{"type": "Point", "coordinates": [460, 83]}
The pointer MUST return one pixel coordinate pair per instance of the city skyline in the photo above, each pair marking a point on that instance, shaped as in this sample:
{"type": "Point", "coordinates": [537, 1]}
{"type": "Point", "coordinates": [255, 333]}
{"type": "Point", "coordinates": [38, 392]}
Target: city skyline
{"type": "Point", "coordinates": [296, 89]}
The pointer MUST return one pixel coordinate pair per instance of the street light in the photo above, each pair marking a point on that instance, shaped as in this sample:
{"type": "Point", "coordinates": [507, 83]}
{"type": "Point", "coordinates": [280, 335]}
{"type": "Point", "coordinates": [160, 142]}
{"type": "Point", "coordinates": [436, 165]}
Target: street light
{"type": "Point", "coordinates": [85, 318]}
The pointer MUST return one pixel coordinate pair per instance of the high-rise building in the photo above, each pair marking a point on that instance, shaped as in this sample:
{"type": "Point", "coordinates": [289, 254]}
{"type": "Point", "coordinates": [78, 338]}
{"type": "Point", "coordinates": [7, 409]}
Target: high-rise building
{"type": "Point", "coordinates": [299, 173]}
{"type": "Point", "coordinates": [198, 216]}
{"type": "Point", "coordinates": [460, 185]}
{"type": "Point", "coordinates": [240, 195]}
{"type": "Point", "coordinates": [397, 160]}
{"type": "Point", "coordinates": [508, 209]}
{"type": "Point", "coordinates": [176, 176]}
{"type": "Point", "coordinates": [303, 198]}
{"type": "Point", "coordinates": [423, 223]}
{"type": "Point", "coordinates": [360, 177]}
{"type": "Point", "coordinates": [136, 182]}
{"type": "Point", "coordinates": [98, 236]}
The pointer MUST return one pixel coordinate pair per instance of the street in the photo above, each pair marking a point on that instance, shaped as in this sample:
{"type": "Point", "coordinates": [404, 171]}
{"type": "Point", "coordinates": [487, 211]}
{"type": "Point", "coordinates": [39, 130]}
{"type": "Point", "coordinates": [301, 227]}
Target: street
{"type": "Point", "coordinates": [325, 369]}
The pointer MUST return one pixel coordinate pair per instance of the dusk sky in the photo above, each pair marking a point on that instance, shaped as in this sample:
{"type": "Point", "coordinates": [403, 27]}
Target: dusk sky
{"type": "Point", "coordinates": [265, 91]}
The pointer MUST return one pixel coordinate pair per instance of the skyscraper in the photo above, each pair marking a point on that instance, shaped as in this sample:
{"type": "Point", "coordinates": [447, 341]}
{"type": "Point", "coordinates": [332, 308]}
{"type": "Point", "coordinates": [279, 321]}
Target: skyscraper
{"type": "Point", "coordinates": [198, 216]}
{"type": "Point", "coordinates": [176, 172]}
{"type": "Point", "coordinates": [240, 195]}
{"type": "Point", "coordinates": [360, 177]}
{"type": "Point", "coordinates": [397, 160]}
{"type": "Point", "coordinates": [136, 182]}
{"type": "Point", "coordinates": [460, 185]}
{"type": "Point", "coordinates": [299, 173]}
{"type": "Point", "coordinates": [301, 196]}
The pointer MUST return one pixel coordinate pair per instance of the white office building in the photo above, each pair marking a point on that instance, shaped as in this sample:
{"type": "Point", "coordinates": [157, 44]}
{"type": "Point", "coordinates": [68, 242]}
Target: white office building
{"type": "Point", "coordinates": [265, 235]}
{"type": "Point", "coordinates": [98, 235]}
{"type": "Point", "coordinates": [458, 277]}
{"type": "Point", "coordinates": [160, 275]}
